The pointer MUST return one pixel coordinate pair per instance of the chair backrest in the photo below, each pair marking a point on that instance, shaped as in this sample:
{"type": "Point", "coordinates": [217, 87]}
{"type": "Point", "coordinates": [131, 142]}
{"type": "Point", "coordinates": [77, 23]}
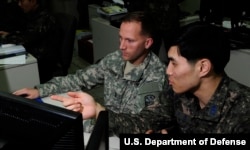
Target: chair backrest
{"type": "Point", "coordinates": [66, 24]}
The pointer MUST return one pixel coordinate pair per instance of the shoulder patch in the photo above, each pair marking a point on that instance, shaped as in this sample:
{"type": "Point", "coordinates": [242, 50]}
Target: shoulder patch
{"type": "Point", "coordinates": [213, 110]}
{"type": "Point", "coordinates": [149, 99]}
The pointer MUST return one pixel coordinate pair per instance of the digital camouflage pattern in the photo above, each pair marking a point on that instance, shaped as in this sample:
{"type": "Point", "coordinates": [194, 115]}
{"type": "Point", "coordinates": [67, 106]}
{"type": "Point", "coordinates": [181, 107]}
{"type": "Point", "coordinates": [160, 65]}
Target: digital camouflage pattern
{"type": "Point", "coordinates": [127, 94]}
{"type": "Point", "coordinates": [166, 13]}
{"type": "Point", "coordinates": [227, 112]}
{"type": "Point", "coordinates": [37, 33]}
{"type": "Point", "coordinates": [159, 115]}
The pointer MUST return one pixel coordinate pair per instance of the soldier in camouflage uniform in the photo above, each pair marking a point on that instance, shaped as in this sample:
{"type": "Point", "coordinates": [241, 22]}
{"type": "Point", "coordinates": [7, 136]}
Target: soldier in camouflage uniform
{"type": "Point", "coordinates": [37, 32]}
{"type": "Point", "coordinates": [133, 76]}
{"type": "Point", "coordinates": [206, 100]}
{"type": "Point", "coordinates": [167, 15]}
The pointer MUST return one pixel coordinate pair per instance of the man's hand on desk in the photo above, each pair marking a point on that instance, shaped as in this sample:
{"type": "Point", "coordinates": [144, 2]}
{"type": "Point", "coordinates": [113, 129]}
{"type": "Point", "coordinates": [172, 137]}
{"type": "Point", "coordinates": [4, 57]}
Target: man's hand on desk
{"type": "Point", "coordinates": [80, 102]}
{"type": "Point", "coordinates": [29, 93]}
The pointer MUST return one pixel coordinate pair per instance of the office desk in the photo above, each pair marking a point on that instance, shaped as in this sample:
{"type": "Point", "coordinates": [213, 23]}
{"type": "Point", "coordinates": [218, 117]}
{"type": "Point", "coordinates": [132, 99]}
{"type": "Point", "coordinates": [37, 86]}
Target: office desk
{"type": "Point", "coordinates": [14, 77]}
{"type": "Point", "coordinates": [114, 142]}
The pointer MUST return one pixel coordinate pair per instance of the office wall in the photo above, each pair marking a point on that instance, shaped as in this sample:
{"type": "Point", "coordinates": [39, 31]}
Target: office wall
{"type": "Point", "coordinates": [238, 66]}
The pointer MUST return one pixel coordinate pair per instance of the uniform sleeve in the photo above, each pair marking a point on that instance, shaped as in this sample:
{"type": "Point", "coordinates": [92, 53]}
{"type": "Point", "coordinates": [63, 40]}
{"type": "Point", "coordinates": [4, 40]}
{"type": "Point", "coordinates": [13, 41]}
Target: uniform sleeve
{"type": "Point", "coordinates": [243, 126]}
{"type": "Point", "coordinates": [159, 115]}
{"type": "Point", "coordinates": [83, 78]}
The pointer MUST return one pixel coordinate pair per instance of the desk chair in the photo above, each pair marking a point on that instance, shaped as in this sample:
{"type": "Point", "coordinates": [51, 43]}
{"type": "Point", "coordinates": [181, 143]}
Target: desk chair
{"type": "Point", "coordinates": [66, 24]}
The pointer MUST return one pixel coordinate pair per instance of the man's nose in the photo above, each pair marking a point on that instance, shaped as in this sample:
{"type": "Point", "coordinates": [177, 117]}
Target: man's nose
{"type": "Point", "coordinates": [168, 70]}
{"type": "Point", "coordinates": [122, 45]}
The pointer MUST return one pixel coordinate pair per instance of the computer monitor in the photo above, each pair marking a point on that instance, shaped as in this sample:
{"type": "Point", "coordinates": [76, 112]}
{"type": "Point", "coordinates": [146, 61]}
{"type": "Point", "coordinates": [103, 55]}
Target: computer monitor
{"type": "Point", "coordinates": [28, 124]}
{"type": "Point", "coordinates": [99, 138]}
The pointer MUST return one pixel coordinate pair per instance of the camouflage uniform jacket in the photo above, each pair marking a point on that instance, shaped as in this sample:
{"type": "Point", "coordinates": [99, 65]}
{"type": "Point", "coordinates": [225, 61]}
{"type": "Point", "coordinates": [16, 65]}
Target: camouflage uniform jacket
{"type": "Point", "coordinates": [227, 112]}
{"type": "Point", "coordinates": [37, 33]}
{"type": "Point", "coordinates": [127, 94]}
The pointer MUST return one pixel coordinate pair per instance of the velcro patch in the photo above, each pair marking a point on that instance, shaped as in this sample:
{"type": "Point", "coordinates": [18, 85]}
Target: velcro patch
{"type": "Point", "coordinates": [149, 99]}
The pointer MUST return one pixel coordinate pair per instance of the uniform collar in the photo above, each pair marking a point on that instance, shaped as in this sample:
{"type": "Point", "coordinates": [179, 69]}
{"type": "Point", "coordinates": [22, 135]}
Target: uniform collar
{"type": "Point", "coordinates": [137, 73]}
{"type": "Point", "coordinates": [212, 111]}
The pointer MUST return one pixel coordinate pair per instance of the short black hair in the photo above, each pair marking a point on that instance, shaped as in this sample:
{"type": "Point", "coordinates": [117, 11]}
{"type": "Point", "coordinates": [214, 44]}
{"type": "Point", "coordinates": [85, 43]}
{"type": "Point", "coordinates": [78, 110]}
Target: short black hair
{"type": "Point", "coordinates": [202, 40]}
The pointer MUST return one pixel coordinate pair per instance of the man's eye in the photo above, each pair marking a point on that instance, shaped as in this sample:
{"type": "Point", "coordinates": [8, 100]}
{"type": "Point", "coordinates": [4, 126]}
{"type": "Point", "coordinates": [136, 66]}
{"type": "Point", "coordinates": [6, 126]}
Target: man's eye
{"type": "Point", "coordinates": [172, 63]}
{"type": "Point", "coordinates": [130, 41]}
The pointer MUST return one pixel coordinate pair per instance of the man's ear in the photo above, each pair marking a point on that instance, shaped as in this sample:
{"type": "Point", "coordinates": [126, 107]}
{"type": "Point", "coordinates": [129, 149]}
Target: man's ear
{"type": "Point", "coordinates": [148, 43]}
{"type": "Point", "coordinates": [205, 67]}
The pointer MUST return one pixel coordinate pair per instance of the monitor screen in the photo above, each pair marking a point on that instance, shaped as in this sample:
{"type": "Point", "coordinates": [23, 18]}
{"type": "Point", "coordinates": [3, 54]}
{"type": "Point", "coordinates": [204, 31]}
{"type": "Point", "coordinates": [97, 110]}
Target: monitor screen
{"type": "Point", "coordinates": [28, 124]}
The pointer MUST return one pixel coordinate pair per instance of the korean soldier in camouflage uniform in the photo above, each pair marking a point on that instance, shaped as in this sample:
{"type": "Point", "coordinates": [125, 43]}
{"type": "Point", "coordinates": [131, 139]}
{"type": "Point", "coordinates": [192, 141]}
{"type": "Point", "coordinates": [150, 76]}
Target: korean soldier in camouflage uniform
{"type": "Point", "coordinates": [206, 100]}
{"type": "Point", "coordinates": [167, 15]}
{"type": "Point", "coordinates": [37, 32]}
{"type": "Point", "coordinates": [132, 76]}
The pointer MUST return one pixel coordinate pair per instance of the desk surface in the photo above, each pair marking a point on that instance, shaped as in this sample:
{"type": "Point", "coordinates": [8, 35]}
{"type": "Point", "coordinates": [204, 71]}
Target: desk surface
{"type": "Point", "coordinates": [114, 142]}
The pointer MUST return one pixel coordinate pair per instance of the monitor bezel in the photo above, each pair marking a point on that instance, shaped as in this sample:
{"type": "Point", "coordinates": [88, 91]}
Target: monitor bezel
{"type": "Point", "coordinates": [12, 133]}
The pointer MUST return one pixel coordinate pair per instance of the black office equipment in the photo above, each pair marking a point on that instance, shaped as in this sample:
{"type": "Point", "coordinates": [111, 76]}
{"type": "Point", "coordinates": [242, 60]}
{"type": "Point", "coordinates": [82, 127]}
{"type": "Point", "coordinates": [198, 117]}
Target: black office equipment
{"type": "Point", "coordinates": [27, 124]}
{"type": "Point", "coordinates": [99, 138]}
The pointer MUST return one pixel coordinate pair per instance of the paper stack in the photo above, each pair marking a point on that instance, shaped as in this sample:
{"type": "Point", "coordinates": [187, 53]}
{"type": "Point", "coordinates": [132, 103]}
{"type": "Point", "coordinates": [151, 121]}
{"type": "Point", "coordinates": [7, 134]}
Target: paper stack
{"type": "Point", "coordinates": [12, 54]}
{"type": "Point", "coordinates": [112, 13]}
